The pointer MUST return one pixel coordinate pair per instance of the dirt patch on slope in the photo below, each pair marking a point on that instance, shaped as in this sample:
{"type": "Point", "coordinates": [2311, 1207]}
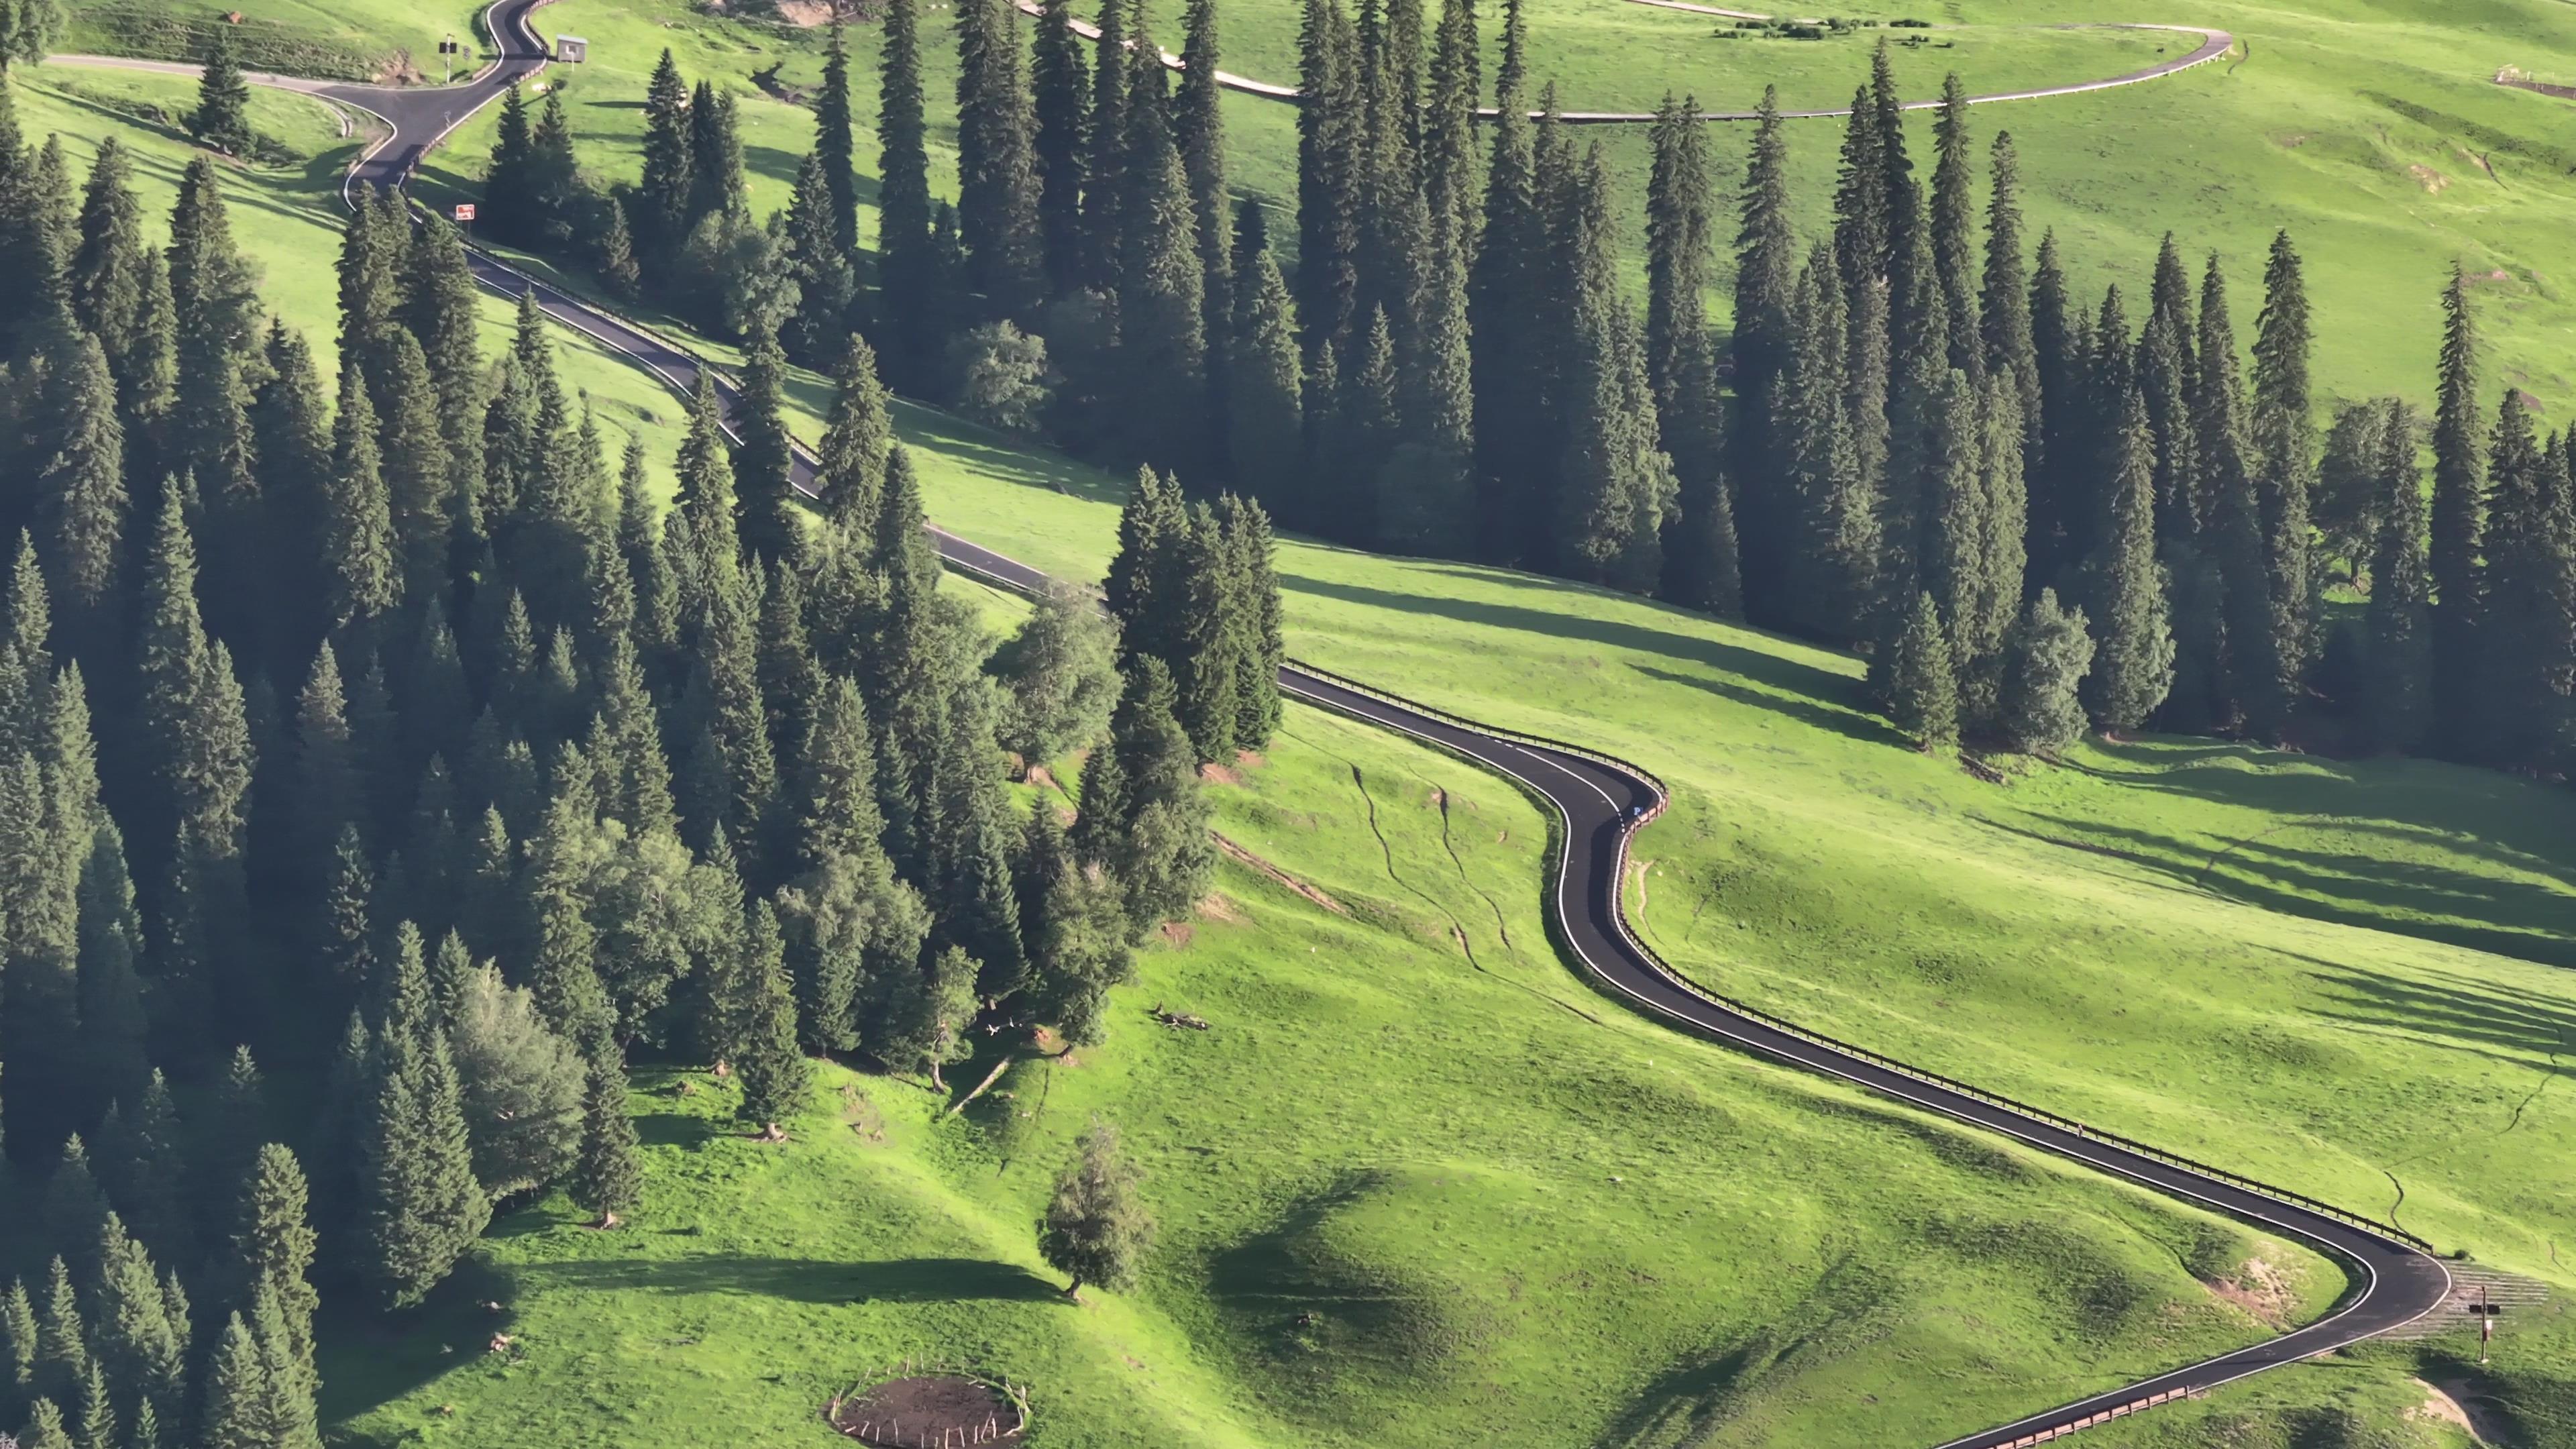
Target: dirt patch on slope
{"type": "Point", "coordinates": [2455, 1404]}
{"type": "Point", "coordinates": [2259, 1288]}
{"type": "Point", "coordinates": [1242, 856]}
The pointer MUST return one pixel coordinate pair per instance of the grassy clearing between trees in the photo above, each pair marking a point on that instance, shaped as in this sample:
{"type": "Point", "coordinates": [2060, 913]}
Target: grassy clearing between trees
{"type": "Point", "coordinates": [2373, 131]}
{"type": "Point", "coordinates": [1402, 1197]}
{"type": "Point", "coordinates": [2324, 1003]}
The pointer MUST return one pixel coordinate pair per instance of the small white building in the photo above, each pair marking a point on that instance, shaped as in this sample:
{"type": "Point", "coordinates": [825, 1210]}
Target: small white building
{"type": "Point", "coordinates": [571, 49]}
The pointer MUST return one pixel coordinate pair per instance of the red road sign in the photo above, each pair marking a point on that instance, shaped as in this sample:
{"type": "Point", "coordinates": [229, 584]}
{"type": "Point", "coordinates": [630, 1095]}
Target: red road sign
{"type": "Point", "coordinates": [465, 211]}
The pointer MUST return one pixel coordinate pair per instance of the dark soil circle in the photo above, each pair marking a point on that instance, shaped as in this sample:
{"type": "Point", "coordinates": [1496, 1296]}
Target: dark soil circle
{"type": "Point", "coordinates": [929, 1411]}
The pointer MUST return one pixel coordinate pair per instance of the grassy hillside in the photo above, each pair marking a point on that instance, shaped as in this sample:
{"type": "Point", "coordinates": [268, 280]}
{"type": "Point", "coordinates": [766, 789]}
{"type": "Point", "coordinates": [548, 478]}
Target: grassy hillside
{"type": "Point", "coordinates": [372, 40]}
{"type": "Point", "coordinates": [1498, 1197]}
{"type": "Point", "coordinates": [1406, 1194]}
{"type": "Point", "coordinates": [2371, 129]}
{"type": "Point", "coordinates": [2326, 974]}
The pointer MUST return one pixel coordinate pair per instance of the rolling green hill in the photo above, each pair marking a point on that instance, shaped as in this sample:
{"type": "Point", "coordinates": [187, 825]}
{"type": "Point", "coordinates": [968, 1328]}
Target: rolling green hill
{"type": "Point", "coordinates": [346, 39]}
{"type": "Point", "coordinates": [2346, 977]}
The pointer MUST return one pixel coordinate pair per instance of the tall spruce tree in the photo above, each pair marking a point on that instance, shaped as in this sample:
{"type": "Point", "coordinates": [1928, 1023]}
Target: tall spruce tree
{"type": "Point", "coordinates": [2526, 631]}
{"type": "Point", "coordinates": [1765, 346]}
{"type": "Point", "coordinates": [1506, 311]}
{"type": "Point", "coordinates": [834, 151]}
{"type": "Point", "coordinates": [1162, 338]}
{"type": "Point", "coordinates": [2458, 527]}
{"type": "Point", "coordinates": [273, 1252]}
{"type": "Point", "coordinates": [2004, 303]}
{"type": "Point", "coordinates": [108, 283]}
{"type": "Point", "coordinates": [2135, 664]}
{"type": "Point", "coordinates": [905, 263]}
{"type": "Point", "coordinates": [2397, 700]}
{"type": "Point", "coordinates": [1152, 830]}
{"type": "Point", "coordinates": [764, 493]}
{"type": "Point", "coordinates": [997, 176]}
{"type": "Point", "coordinates": [420, 1207]}
{"type": "Point", "coordinates": [663, 213]}
{"type": "Point", "coordinates": [2283, 432]}
{"type": "Point", "coordinates": [1953, 229]}
{"type": "Point", "coordinates": [1701, 567]}
{"type": "Point", "coordinates": [607, 1179]}
{"type": "Point", "coordinates": [2058, 333]}
{"type": "Point", "coordinates": [222, 116]}
{"type": "Point", "coordinates": [1330, 133]}
{"type": "Point", "coordinates": [717, 185]}
{"type": "Point", "coordinates": [1923, 696]}
{"type": "Point", "coordinates": [826, 285]}
{"type": "Point", "coordinates": [775, 1075]}
{"type": "Point", "coordinates": [1613, 487]}
{"type": "Point", "coordinates": [82, 505]}
{"type": "Point", "coordinates": [2254, 681]}
{"type": "Point", "coordinates": [1198, 128]}
{"type": "Point", "coordinates": [851, 479]}
{"type": "Point", "coordinates": [1826, 504]}
{"type": "Point", "coordinates": [1265, 387]}
{"type": "Point", "coordinates": [1104, 156]}
{"type": "Point", "coordinates": [1060, 80]}
{"type": "Point", "coordinates": [1449, 180]}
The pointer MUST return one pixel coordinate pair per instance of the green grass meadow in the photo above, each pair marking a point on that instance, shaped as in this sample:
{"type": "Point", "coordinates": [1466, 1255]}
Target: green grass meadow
{"type": "Point", "coordinates": [1408, 1192]}
{"type": "Point", "coordinates": [2347, 977]}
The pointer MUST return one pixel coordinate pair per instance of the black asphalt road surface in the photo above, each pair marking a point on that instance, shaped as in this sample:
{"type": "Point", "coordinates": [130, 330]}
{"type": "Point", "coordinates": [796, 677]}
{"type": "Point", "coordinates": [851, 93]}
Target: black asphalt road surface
{"type": "Point", "coordinates": [1599, 803]}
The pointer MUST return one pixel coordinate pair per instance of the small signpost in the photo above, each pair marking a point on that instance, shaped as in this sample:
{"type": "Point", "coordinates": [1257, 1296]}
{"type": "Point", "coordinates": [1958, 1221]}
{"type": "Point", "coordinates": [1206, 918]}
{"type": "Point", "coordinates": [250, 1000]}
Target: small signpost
{"type": "Point", "coordinates": [2486, 1313]}
{"type": "Point", "coordinates": [571, 49]}
{"type": "Point", "coordinates": [448, 50]}
{"type": "Point", "coordinates": [465, 218]}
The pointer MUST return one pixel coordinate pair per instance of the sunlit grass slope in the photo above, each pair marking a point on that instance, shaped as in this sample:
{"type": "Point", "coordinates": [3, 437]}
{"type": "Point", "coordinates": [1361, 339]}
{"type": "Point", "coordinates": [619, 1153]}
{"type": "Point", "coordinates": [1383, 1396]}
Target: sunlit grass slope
{"type": "Point", "coordinates": [1502, 1200]}
{"type": "Point", "coordinates": [1410, 1193]}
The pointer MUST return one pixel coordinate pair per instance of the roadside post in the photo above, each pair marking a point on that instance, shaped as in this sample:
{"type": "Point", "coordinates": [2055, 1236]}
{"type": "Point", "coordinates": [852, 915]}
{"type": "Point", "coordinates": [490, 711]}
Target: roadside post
{"type": "Point", "coordinates": [465, 218]}
{"type": "Point", "coordinates": [2486, 1314]}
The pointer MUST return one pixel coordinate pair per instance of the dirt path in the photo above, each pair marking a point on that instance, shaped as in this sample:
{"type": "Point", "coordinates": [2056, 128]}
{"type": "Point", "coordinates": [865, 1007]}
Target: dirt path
{"type": "Point", "coordinates": [2213, 44]}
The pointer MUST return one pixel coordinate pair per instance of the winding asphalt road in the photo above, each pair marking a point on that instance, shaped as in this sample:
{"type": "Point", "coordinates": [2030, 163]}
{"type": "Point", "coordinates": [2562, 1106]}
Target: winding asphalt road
{"type": "Point", "coordinates": [1599, 803]}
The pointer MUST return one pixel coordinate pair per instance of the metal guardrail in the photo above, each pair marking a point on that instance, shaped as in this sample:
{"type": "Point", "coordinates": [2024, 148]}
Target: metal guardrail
{"type": "Point", "coordinates": [2057, 1120]}
{"type": "Point", "coordinates": [1522, 737]}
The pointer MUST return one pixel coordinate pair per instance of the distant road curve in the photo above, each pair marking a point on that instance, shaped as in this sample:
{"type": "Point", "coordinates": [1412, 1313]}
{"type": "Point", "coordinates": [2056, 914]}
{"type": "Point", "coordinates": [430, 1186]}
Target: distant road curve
{"type": "Point", "coordinates": [2213, 44]}
{"type": "Point", "coordinates": [1599, 802]}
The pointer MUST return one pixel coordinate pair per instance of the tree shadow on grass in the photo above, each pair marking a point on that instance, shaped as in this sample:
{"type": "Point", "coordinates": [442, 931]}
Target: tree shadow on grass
{"type": "Point", "coordinates": [1804, 680]}
{"type": "Point", "coordinates": [2457, 807]}
{"type": "Point", "coordinates": [2510, 1026]}
{"type": "Point", "coordinates": [369, 1358]}
{"type": "Point", "coordinates": [806, 1280]}
{"type": "Point", "coordinates": [1683, 1405]}
{"type": "Point", "coordinates": [1012, 460]}
{"type": "Point", "coordinates": [2427, 901]}
{"type": "Point", "coordinates": [672, 1129]}
{"type": "Point", "coordinates": [1843, 720]}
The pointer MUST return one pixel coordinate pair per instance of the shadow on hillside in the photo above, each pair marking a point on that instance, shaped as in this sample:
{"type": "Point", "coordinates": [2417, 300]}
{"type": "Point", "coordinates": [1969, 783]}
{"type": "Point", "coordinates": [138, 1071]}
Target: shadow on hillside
{"type": "Point", "coordinates": [1684, 1404]}
{"type": "Point", "coordinates": [2457, 807]}
{"type": "Point", "coordinates": [2452, 906]}
{"type": "Point", "coordinates": [1841, 720]}
{"type": "Point", "coordinates": [806, 1280]}
{"type": "Point", "coordinates": [774, 162]}
{"type": "Point", "coordinates": [1804, 680]}
{"type": "Point", "coordinates": [320, 172]}
{"type": "Point", "coordinates": [672, 1129]}
{"type": "Point", "coordinates": [2468, 1013]}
